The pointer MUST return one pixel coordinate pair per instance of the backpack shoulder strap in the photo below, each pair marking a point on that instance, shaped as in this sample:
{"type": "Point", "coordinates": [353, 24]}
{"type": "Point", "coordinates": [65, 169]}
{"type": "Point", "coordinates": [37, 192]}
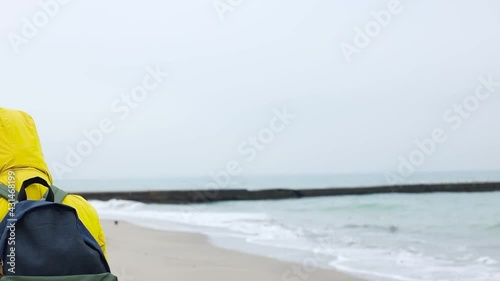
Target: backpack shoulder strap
{"type": "Point", "coordinates": [59, 194]}
{"type": "Point", "coordinates": [5, 193]}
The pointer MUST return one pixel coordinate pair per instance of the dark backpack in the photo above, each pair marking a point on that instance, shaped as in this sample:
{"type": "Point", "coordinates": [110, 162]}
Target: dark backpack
{"type": "Point", "coordinates": [44, 240]}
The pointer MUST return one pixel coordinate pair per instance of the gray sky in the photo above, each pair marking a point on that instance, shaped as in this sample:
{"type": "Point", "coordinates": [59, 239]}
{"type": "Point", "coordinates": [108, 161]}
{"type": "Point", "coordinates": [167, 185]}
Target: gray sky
{"type": "Point", "coordinates": [227, 77]}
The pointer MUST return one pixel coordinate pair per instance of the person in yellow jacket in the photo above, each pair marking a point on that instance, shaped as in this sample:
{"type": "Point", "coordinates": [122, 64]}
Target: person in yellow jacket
{"type": "Point", "coordinates": [21, 156]}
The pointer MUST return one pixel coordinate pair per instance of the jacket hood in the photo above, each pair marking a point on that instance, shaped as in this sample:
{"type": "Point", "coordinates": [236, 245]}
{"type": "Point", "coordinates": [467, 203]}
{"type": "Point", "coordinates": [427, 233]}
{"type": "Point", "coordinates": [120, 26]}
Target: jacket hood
{"type": "Point", "coordinates": [20, 147]}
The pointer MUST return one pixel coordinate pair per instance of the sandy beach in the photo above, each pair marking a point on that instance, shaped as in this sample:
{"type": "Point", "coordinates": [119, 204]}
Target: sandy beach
{"type": "Point", "coordinates": [137, 253]}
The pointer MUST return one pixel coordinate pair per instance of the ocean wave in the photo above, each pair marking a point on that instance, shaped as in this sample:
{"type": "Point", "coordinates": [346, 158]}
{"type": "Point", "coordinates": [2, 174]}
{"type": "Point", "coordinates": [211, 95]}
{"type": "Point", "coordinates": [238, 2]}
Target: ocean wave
{"type": "Point", "coordinates": [378, 206]}
{"type": "Point", "coordinates": [486, 260]}
{"type": "Point", "coordinates": [390, 228]}
{"type": "Point", "coordinates": [494, 227]}
{"type": "Point", "coordinates": [116, 204]}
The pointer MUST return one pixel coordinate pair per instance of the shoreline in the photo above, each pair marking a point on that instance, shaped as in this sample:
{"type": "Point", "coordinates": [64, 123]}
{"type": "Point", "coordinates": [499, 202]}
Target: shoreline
{"type": "Point", "coordinates": [138, 253]}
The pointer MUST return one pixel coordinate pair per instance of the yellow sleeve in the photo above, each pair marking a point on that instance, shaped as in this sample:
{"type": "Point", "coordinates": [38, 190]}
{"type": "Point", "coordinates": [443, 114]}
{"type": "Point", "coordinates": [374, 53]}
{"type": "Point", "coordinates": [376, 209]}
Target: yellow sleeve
{"type": "Point", "coordinates": [102, 242]}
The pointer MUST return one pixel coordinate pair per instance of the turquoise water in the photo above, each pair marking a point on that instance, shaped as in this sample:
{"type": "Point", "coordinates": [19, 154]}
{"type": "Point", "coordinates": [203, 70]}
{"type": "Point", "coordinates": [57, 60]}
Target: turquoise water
{"type": "Point", "coordinates": [419, 237]}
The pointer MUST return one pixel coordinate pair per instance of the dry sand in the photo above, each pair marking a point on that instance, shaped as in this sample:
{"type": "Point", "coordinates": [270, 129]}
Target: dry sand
{"type": "Point", "coordinates": [137, 254]}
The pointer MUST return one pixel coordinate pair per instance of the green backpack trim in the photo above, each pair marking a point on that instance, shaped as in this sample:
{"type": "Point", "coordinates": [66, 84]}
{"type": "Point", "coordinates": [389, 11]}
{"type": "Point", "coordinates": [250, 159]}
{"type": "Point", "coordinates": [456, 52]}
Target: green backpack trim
{"type": "Point", "coordinates": [59, 194]}
{"type": "Point", "coordinates": [5, 193]}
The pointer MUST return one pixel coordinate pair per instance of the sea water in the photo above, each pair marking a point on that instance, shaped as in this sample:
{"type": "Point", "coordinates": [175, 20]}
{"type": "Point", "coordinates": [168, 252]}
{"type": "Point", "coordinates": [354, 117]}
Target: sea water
{"type": "Point", "coordinates": [414, 237]}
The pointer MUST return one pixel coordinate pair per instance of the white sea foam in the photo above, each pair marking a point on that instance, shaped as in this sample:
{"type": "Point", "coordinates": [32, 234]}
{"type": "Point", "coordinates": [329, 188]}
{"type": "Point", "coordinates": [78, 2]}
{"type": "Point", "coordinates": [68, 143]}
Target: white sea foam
{"type": "Point", "coordinates": [487, 261]}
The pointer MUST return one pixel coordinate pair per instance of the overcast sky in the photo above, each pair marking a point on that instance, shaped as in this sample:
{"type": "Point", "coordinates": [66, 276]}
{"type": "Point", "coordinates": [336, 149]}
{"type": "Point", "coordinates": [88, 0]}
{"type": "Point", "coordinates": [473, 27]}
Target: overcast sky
{"type": "Point", "coordinates": [231, 70]}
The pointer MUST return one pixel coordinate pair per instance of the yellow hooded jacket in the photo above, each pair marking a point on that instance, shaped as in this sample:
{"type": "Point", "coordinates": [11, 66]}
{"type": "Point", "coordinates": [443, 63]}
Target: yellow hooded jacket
{"type": "Point", "coordinates": [21, 153]}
